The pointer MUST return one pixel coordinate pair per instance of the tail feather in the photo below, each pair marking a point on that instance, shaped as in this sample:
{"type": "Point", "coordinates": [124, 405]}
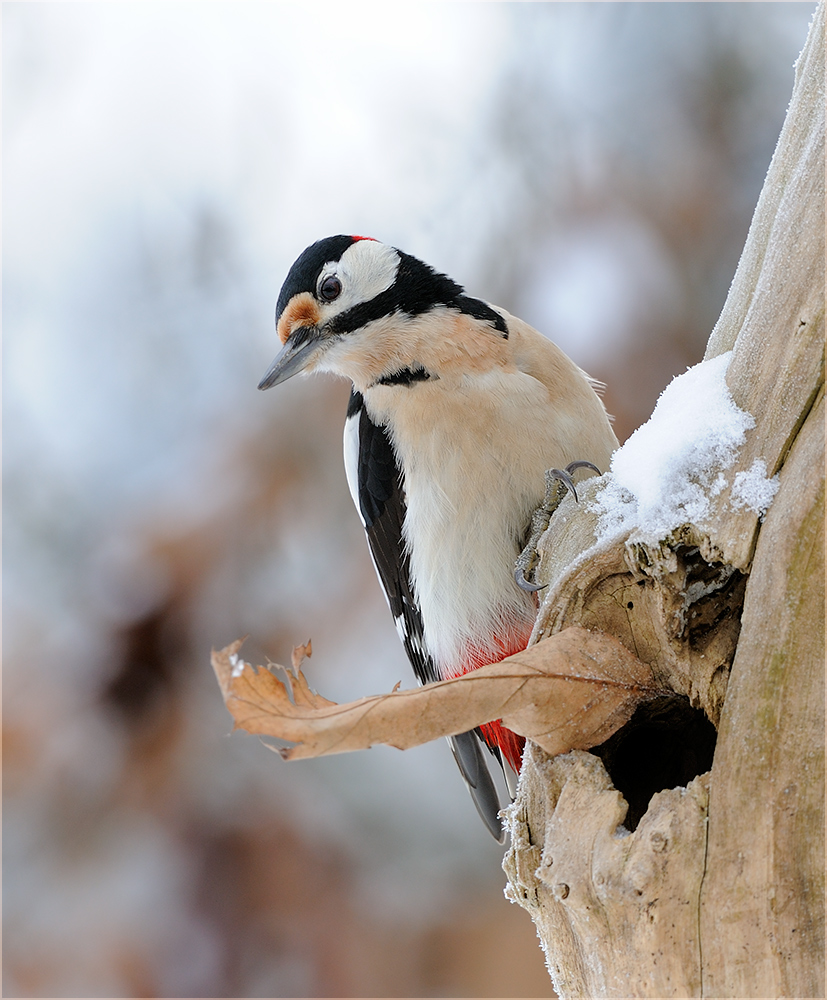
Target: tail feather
{"type": "Point", "coordinates": [510, 744]}
{"type": "Point", "coordinates": [506, 746]}
{"type": "Point", "coordinates": [473, 766]}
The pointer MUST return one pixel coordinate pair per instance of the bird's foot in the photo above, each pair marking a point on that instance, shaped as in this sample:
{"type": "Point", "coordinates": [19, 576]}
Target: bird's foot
{"type": "Point", "coordinates": [558, 482]}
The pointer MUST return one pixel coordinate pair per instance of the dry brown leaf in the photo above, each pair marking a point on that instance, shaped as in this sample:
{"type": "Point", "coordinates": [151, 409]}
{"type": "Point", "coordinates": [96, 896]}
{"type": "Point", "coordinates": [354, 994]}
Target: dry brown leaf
{"type": "Point", "coordinates": [300, 653]}
{"type": "Point", "coordinates": [569, 691]}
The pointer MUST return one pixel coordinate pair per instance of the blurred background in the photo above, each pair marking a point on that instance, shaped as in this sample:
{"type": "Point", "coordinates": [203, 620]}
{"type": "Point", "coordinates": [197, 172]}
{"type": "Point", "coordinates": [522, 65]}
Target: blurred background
{"type": "Point", "coordinates": [591, 167]}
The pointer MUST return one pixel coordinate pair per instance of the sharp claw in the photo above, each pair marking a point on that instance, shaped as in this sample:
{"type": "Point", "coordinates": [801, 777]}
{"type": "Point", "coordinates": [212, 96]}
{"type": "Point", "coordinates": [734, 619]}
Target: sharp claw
{"type": "Point", "coordinates": [523, 584]}
{"type": "Point", "coordinates": [565, 479]}
{"type": "Point", "coordinates": [541, 519]}
{"type": "Point", "coordinates": [582, 465]}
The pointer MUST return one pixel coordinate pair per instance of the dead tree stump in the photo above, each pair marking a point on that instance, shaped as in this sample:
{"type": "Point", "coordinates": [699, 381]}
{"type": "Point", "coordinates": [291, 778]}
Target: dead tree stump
{"type": "Point", "coordinates": [714, 885]}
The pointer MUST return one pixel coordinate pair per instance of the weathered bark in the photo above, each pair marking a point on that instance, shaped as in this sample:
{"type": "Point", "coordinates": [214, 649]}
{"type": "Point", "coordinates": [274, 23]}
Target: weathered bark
{"type": "Point", "coordinates": [719, 891]}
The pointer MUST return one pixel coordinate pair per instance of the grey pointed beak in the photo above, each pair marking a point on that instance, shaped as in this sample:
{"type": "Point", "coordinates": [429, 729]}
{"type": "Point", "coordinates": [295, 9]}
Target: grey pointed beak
{"type": "Point", "coordinates": [292, 358]}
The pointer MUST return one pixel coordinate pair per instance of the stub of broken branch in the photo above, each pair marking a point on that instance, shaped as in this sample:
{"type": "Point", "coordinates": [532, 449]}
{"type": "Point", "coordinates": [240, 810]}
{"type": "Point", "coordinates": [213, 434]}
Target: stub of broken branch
{"type": "Point", "coordinates": [570, 691]}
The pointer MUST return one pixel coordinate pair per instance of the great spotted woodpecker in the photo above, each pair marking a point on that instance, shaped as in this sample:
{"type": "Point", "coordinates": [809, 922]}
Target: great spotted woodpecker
{"type": "Point", "coordinates": [457, 411]}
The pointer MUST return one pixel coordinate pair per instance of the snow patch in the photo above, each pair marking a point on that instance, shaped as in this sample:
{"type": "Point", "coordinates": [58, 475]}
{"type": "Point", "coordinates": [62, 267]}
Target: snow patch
{"type": "Point", "coordinates": [668, 470]}
{"type": "Point", "coordinates": [754, 489]}
{"type": "Point", "coordinates": [238, 664]}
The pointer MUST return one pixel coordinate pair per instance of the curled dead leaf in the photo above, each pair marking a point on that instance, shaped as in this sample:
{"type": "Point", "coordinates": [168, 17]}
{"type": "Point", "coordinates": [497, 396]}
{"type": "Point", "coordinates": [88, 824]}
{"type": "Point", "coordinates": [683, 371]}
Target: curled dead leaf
{"type": "Point", "coordinates": [569, 691]}
{"type": "Point", "coordinates": [300, 653]}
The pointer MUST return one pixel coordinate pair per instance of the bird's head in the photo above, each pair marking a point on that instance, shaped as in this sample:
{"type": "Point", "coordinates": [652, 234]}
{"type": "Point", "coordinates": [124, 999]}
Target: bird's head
{"type": "Point", "coordinates": [347, 306]}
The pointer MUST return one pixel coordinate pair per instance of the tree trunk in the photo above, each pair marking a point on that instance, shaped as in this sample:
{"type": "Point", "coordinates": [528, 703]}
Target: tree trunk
{"type": "Point", "coordinates": [714, 887]}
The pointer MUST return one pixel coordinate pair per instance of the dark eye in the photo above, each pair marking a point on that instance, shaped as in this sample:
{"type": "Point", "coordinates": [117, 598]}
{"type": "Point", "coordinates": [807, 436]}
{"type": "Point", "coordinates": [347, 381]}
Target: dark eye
{"type": "Point", "coordinates": [330, 288]}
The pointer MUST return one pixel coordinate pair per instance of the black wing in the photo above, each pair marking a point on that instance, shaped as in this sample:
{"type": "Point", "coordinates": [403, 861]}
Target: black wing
{"type": "Point", "coordinates": [381, 502]}
{"type": "Point", "coordinates": [378, 491]}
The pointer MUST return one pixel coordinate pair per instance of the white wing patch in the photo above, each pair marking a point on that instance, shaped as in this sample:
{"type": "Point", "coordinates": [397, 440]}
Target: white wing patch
{"type": "Point", "coordinates": [351, 452]}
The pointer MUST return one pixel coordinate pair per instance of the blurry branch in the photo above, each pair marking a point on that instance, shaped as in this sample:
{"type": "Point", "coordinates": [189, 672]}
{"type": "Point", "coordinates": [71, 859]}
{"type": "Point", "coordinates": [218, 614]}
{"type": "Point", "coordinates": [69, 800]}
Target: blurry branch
{"type": "Point", "coordinates": [719, 891]}
{"type": "Point", "coordinates": [570, 691]}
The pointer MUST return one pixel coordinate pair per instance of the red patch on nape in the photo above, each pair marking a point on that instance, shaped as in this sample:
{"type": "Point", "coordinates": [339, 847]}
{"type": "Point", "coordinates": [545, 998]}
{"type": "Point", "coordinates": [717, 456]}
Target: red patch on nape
{"type": "Point", "coordinates": [356, 238]}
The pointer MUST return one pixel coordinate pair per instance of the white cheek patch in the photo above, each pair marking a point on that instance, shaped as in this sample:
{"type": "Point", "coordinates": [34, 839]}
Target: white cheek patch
{"type": "Point", "coordinates": [365, 270]}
